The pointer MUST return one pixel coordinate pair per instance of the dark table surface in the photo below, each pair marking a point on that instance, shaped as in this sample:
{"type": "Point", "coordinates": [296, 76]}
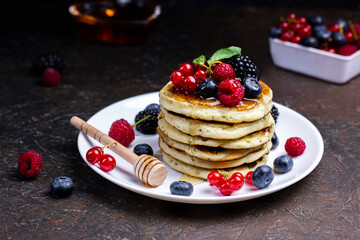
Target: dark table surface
{"type": "Point", "coordinates": [324, 205]}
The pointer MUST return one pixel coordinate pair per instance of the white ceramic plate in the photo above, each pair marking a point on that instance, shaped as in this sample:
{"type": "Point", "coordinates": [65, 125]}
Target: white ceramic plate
{"type": "Point", "coordinates": [290, 124]}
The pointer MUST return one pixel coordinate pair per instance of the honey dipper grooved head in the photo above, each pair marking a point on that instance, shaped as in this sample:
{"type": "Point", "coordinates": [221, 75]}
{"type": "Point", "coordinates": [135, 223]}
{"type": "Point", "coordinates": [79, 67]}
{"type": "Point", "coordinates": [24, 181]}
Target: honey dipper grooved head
{"type": "Point", "coordinates": [150, 170]}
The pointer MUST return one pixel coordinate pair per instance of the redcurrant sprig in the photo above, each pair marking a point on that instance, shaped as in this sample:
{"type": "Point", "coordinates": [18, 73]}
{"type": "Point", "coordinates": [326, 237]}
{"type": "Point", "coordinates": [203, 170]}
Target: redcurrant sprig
{"type": "Point", "coordinates": [226, 182]}
{"type": "Point", "coordinates": [96, 155]}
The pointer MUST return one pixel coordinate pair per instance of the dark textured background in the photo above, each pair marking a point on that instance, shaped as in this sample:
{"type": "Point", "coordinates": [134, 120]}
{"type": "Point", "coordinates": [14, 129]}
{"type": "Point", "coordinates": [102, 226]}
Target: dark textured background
{"type": "Point", "coordinates": [324, 205]}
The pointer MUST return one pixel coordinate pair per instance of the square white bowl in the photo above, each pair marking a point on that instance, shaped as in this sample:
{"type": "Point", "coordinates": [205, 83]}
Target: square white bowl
{"type": "Point", "coordinates": [314, 62]}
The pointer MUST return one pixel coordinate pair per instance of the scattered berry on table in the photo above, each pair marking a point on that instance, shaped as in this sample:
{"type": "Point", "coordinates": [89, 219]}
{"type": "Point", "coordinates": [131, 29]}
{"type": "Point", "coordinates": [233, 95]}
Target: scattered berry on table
{"type": "Point", "coordinates": [30, 164]}
{"type": "Point", "coordinates": [143, 149]}
{"type": "Point", "coordinates": [93, 155]}
{"type": "Point", "coordinates": [62, 186]}
{"type": "Point", "coordinates": [148, 125]}
{"type": "Point", "coordinates": [283, 164]}
{"type": "Point", "coordinates": [262, 176]}
{"type": "Point", "coordinates": [107, 163]}
{"type": "Point", "coordinates": [154, 107]}
{"type": "Point", "coordinates": [295, 146]}
{"type": "Point", "coordinates": [122, 132]}
{"type": "Point", "coordinates": [274, 141]}
{"type": "Point", "coordinates": [252, 87]}
{"type": "Point", "coordinates": [222, 72]}
{"type": "Point", "coordinates": [274, 112]}
{"type": "Point", "coordinates": [50, 60]}
{"type": "Point", "coordinates": [176, 78]}
{"type": "Point", "coordinates": [230, 92]}
{"type": "Point", "coordinates": [186, 69]}
{"type": "Point", "coordinates": [181, 188]}
{"type": "Point", "coordinates": [50, 77]}
{"type": "Point", "coordinates": [243, 67]}
{"type": "Point", "coordinates": [207, 88]}
{"type": "Point", "coordinates": [248, 180]}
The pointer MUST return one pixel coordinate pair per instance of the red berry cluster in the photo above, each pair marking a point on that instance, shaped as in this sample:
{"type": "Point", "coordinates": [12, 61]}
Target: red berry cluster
{"type": "Point", "coordinates": [228, 184]}
{"type": "Point", "coordinates": [189, 77]}
{"type": "Point", "coordinates": [294, 28]}
{"type": "Point", "coordinates": [96, 155]}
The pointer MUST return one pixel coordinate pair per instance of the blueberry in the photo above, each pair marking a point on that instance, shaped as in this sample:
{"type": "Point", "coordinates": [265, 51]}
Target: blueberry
{"type": "Point", "coordinates": [143, 149]}
{"type": "Point", "coordinates": [338, 38]}
{"type": "Point", "coordinates": [316, 19]}
{"type": "Point", "coordinates": [274, 141]}
{"type": "Point", "coordinates": [310, 41]}
{"type": "Point", "coordinates": [343, 23]}
{"type": "Point", "coordinates": [62, 186]}
{"type": "Point", "coordinates": [262, 176]}
{"type": "Point", "coordinates": [207, 88]}
{"type": "Point", "coordinates": [321, 33]}
{"type": "Point", "coordinates": [154, 107]}
{"type": "Point", "coordinates": [275, 32]}
{"type": "Point", "coordinates": [252, 87]}
{"type": "Point", "coordinates": [283, 164]}
{"type": "Point", "coordinates": [181, 188]}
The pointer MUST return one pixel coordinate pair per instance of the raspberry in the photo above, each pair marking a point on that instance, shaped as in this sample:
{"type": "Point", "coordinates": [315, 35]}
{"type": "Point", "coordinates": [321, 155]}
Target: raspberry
{"type": "Point", "coordinates": [347, 49]}
{"type": "Point", "coordinates": [230, 92]}
{"type": "Point", "coordinates": [30, 164]}
{"type": "Point", "coordinates": [148, 125]}
{"type": "Point", "coordinates": [51, 77]}
{"type": "Point", "coordinates": [295, 146]}
{"type": "Point", "coordinates": [222, 72]}
{"type": "Point", "coordinates": [122, 132]}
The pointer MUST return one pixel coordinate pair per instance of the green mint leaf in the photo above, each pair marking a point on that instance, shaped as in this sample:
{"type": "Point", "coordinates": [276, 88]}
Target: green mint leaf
{"type": "Point", "coordinates": [224, 53]}
{"type": "Point", "coordinates": [200, 60]}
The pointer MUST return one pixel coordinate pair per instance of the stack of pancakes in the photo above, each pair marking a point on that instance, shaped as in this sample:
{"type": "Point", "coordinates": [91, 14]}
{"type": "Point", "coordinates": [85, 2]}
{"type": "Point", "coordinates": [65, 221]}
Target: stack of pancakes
{"type": "Point", "coordinates": [198, 136]}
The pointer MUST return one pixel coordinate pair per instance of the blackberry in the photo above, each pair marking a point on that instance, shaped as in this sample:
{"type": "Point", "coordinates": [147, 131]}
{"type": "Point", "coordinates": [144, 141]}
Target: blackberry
{"type": "Point", "coordinates": [50, 60]}
{"type": "Point", "coordinates": [274, 113]}
{"type": "Point", "coordinates": [243, 67]}
{"type": "Point", "coordinates": [149, 125]}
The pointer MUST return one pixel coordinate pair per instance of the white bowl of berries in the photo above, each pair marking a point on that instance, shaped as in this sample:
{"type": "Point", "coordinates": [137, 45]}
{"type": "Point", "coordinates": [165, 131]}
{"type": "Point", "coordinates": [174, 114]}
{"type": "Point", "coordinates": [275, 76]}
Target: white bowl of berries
{"type": "Point", "coordinates": [308, 46]}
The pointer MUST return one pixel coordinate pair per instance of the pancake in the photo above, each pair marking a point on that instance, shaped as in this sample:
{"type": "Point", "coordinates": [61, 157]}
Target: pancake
{"type": "Point", "coordinates": [203, 173]}
{"type": "Point", "coordinates": [248, 110]}
{"type": "Point", "coordinates": [207, 153]}
{"type": "Point", "coordinates": [215, 130]}
{"type": "Point", "coordinates": [249, 141]}
{"type": "Point", "coordinates": [197, 162]}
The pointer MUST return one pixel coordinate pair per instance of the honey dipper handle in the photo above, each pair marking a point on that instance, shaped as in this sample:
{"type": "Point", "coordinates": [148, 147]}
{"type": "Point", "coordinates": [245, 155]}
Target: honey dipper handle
{"type": "Point", "coordinates": [148, 169]}
{"type": "Point", "coordinates": [104, 139]}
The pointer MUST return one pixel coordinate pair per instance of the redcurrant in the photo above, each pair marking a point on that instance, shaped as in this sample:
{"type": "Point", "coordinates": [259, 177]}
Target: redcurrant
{"type": "Point", "coordinates": [334, 27]}
{"type": "Point", "coordinates": [176, 78]}
{"type": "Point", "coordinates": [186, 69]}
{"type": "Point", "coordinates": [304, 32]}
{"type": "Point", "coordinates": [296, 39]}
{"type": "Point", "coordinates": [331, 50]}
{"type": "Point", "coordinates": [284, 26]}
{"type": "Point", "coordinates": [198, 67]}
{"type": "Point", "coordinates": [236, 181]}
{"type": "Point", "coordinates": [302, 20]}
{"type": "Point", "coordinates": [225, 189]}
{"type": "Point", "coordinates": [248, 180]}
{"type": "Point", "coordinates": [200, 75]}
{"type": "Point", "coordinates": [215, 178]}
{"type": "Point", "coordinates": [291, 15]}
{"type": "Point", "coordinates": [286, 36]}
{"type": "Point", "coordinates": [295, 27]}
{"type": "Point", "coordinates": [189, 84]}
{"type": "Point", "coordinates": [93, 155]}
{"type": "Point", "coordinates": [107, 163]}
{"type": "Point", "coordinates": [349, 37]}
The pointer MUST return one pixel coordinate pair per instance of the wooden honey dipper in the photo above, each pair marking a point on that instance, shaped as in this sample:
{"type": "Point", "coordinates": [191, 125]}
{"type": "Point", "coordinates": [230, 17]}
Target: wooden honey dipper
{"type": "Point", "coordinates": [148, 169]}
